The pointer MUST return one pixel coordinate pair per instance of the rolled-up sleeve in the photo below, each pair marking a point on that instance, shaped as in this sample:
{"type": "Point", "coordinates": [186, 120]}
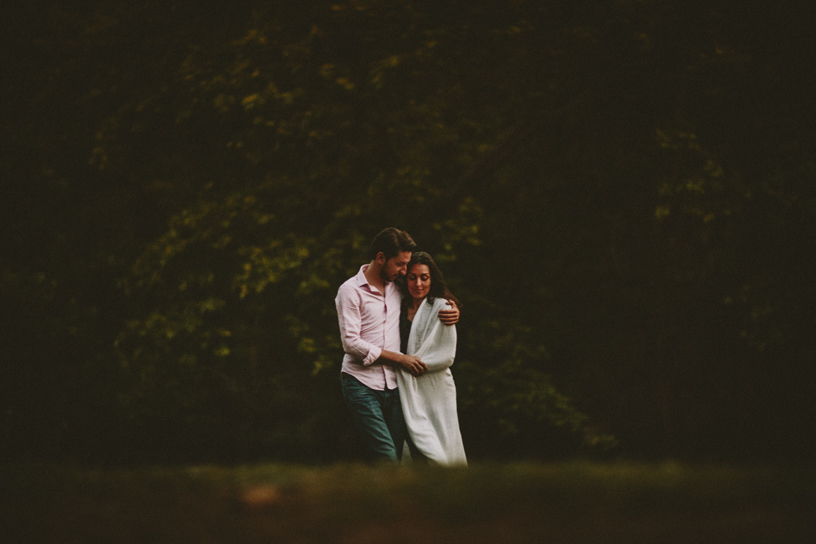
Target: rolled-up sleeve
{"type": "Point", "coordinates": [349, 317]}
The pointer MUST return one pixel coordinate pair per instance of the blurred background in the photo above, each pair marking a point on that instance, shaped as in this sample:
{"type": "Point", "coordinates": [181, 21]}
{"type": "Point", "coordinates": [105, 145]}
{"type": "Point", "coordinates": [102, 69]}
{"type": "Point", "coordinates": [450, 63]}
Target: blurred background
{"type": "Point", "coordinates": [621, 193]}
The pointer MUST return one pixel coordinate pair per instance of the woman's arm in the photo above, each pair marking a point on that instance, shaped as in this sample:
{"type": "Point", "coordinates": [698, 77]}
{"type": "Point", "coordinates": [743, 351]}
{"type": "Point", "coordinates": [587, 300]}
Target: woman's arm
{"type": "Point", "coordinates": [432, 342]}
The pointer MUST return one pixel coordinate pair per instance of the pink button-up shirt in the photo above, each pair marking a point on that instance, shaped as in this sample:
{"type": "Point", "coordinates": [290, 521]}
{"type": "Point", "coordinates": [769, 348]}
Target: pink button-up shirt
{"type": "Point", "coordinates": [369, 323]}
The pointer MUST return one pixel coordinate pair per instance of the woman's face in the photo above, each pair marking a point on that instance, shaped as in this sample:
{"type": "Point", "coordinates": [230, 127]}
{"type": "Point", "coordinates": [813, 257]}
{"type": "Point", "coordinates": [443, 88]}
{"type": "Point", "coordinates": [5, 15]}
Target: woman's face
{"type": "Point", "coordinates": [419, 280]}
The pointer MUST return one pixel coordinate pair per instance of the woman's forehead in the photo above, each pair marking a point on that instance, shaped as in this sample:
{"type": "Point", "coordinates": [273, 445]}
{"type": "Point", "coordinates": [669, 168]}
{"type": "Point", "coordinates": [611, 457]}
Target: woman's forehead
{"type": "Point", "coordinates": [419, 269]}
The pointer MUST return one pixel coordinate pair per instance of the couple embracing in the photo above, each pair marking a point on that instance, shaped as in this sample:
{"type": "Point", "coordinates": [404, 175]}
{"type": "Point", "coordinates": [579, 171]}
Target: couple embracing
{"type": "Point", "coordinates": [396, 321]}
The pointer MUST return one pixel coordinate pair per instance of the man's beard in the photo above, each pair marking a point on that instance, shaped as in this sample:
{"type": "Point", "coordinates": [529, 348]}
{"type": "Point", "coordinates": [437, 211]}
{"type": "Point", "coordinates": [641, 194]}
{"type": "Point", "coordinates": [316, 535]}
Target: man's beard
{"type": "Point", "coordinates": [384, 276]}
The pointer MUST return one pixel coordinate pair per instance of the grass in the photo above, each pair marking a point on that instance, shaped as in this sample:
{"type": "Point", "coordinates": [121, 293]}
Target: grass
{"type": "Point", "coordinates": [569, 502]}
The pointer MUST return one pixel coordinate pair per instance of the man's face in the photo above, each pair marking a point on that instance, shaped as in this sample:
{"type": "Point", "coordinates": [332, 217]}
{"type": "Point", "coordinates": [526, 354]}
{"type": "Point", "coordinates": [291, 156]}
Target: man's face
{"type": "Point", "coordinates": [395, 266]}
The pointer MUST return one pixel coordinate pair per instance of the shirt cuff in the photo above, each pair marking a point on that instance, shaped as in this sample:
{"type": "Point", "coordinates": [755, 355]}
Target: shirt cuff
{"type": "Point", "coordinates": [373, 354]}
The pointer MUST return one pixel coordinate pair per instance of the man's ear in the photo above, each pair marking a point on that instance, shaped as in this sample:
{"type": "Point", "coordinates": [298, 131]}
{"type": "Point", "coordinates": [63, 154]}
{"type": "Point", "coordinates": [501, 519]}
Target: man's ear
{"type": "Point", "coordinates": [380, 258]}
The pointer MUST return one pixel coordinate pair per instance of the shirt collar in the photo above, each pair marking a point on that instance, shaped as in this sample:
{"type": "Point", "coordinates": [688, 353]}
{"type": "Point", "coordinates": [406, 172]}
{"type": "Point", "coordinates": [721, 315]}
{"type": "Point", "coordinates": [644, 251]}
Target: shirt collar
{"type": "Point", "coordinates": [361, 281]}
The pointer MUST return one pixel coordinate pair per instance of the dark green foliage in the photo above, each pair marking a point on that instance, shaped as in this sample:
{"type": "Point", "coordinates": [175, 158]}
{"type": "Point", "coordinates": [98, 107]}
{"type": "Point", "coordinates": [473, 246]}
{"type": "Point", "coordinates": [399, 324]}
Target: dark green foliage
{"type": "Point", "coordinates": [621, 193]}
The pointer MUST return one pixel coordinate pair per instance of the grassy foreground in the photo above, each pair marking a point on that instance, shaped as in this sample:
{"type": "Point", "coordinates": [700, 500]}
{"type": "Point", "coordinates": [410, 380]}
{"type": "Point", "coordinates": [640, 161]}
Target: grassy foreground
{"type": "Point", "coordinates": [560, 503]}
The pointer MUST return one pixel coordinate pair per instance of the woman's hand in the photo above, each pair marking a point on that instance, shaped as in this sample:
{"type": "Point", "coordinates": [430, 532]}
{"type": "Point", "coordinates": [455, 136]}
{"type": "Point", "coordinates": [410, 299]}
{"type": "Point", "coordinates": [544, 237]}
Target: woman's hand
{"type": "Point", "coordinates": [450, 316]}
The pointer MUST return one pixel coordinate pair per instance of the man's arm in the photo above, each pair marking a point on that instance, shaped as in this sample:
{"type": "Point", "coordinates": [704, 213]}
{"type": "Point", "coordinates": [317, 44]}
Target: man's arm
{"type": "Point", "coordinates": [449, 316]}
{"type": "Point", "coordinates": [350, 320]}
{"type": "Point", "coordinates": [409, 363]}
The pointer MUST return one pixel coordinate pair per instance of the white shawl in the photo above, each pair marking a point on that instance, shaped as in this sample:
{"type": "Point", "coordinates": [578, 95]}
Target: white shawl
{"type": "Point", "coordinates": [429, 401]}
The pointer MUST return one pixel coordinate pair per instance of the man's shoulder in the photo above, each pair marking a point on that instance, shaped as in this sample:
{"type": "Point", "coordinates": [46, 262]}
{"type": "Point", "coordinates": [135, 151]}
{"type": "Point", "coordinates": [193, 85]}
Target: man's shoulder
{"type": "Point", "coordinates": [350, 287]}
{"type": "Point", "coordinates": [351, 282]}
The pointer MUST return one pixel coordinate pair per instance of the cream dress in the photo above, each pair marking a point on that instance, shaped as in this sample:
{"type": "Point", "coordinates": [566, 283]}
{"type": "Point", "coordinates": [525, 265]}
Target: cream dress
{"type": "Point", "coordinates": [429, 401]}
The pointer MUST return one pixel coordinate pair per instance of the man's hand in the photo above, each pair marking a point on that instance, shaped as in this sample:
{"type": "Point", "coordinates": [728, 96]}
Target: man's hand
{"type": "Point", "coordinates": [413, 365]}
{"type": "Point", "coordinates": [449, 317]}
{"type": "Point", "coordinates": [408, 363]}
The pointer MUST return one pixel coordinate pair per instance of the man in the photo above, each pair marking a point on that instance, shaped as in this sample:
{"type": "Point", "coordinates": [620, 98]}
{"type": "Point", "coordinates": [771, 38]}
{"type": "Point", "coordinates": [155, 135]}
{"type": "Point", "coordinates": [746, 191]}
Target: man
{"type": "Point", "coordinates": [368, 310]}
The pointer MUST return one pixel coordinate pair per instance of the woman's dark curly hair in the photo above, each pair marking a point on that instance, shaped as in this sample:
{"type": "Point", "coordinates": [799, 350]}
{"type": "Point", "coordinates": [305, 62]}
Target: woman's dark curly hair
{"type": "Point", "coordinates": [439, 289]}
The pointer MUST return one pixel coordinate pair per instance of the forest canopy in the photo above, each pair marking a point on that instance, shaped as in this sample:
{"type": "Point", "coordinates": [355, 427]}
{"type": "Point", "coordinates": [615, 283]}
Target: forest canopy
{"type": "Point", "coordinates": [621, 193]}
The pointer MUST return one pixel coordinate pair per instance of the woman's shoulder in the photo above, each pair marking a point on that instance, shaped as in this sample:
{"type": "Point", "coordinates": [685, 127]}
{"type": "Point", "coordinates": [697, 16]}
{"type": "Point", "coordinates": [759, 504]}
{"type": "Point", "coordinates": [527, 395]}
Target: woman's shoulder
{"type": "Point", "coordinates": [440, 303]}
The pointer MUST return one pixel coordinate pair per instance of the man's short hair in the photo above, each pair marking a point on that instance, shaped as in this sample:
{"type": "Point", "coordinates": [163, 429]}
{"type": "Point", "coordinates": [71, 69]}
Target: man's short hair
{"type": "Point", "coordinates": [391, 242]}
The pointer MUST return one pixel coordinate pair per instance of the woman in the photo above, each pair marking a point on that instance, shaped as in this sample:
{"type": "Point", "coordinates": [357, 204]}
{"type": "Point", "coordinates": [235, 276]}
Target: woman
{"type": "Point", "coordinates": [429, 401]}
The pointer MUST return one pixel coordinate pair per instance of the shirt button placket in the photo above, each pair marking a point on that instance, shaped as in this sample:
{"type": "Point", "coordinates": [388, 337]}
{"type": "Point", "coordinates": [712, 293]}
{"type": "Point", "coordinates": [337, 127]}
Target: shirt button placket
{"type": "Point", "coordinates": [385, 318]}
